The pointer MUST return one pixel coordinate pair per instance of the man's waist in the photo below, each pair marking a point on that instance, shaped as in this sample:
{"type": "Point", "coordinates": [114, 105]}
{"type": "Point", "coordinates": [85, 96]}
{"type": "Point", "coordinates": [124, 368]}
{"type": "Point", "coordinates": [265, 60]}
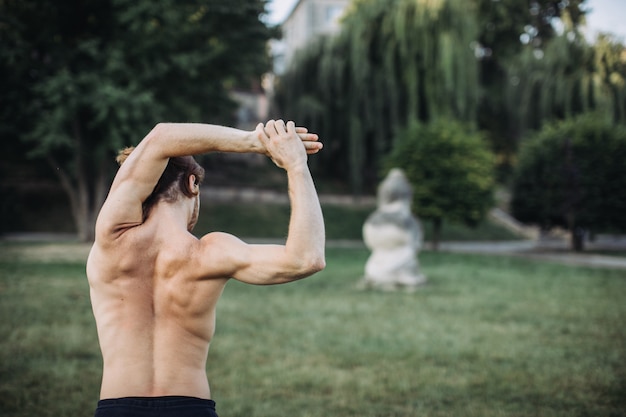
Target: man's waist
{"type": "Point", "coordinates": [138, 382]}
{"type": "Point", "coordinates": [164, 400]}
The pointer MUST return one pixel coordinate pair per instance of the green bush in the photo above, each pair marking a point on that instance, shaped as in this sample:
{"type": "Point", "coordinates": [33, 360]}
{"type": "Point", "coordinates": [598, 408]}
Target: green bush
{"type": "Point", "coordinates": [573, 174]}
{"type": "Point", "coordinates": [451, 169]}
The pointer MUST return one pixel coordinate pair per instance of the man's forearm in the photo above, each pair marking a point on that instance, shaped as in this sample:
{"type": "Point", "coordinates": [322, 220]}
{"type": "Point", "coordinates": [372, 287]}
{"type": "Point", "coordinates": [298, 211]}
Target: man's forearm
{"type": "Point", "coordinates": [180, 139]}
{"type": "Point", "coordinates": [306, 236]}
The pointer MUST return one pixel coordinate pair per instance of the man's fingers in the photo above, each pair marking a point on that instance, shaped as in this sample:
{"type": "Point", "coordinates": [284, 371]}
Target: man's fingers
{"type": "Point", "coordinates": [310, 140]}
{"type": "Point", "coordinates": [260, 131]}
{"type": "Point", "coordinates": [275, 126]}
{"type": "Point", "coordinates": [304, 134]}
{"type": "Point", "coordinates": [280, 127]}
{"type": "Point", "coordinates": [312, 147]}
{"type": "Point", "coordinates": [270, 127]}
{"type": "Point", "coordinates": [308, 137]}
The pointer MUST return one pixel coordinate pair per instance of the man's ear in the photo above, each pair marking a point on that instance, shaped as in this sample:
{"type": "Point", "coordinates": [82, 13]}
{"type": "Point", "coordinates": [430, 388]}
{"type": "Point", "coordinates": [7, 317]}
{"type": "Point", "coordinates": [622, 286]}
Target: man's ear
{"type": "Point", "coordinates": [193, 184]}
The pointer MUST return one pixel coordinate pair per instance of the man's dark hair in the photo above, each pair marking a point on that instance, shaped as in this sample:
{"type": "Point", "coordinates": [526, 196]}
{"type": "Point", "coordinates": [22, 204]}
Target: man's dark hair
{"type": "Point", "coordinates": [173, 182]}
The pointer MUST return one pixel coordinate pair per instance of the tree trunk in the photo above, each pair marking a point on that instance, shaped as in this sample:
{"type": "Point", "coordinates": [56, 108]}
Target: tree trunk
{"type": "Point", "coordinates": [86, 194]}
{"type": "Point", "coordinates": [85, 203]}
{"type": "Point", "coordinates": [436, 233]}
{"type": "Point", "coordinates": [577, 234]}
{"type": "Point", "coordinates": [578, 239]}
{"type": "Point", "coordinates": [92, 197]}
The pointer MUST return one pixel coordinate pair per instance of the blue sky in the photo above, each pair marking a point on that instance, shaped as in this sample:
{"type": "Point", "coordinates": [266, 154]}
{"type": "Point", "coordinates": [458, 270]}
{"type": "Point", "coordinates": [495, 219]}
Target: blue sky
{"type": "Point", "coordinates": [605, 15]}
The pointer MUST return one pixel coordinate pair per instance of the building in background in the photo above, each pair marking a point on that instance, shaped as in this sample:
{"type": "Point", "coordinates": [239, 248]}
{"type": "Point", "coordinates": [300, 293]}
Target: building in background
{"type": "Point", "coordinates": [307, 20]}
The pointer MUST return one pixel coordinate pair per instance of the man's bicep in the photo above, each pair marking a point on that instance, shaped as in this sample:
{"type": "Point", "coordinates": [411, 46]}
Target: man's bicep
{"type": "Point", "coordinates": [252, 264]}
{"type": "Point", "coordinates": [122, 209]}
{"type": "Point", "coordinates": [267, 265]}
{"type": "Point", "coordinates": [132, 185]}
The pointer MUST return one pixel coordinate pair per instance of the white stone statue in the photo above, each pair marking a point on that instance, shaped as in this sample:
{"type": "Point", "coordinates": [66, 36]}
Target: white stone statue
{"type": "Point", "coordinates": [394, 236]}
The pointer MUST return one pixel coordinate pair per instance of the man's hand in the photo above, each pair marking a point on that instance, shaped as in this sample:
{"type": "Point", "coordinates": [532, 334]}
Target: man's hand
{"type": "Point", "coordinates": [287, 145]}
{"type": "Point", "coordinates": [309, 140]}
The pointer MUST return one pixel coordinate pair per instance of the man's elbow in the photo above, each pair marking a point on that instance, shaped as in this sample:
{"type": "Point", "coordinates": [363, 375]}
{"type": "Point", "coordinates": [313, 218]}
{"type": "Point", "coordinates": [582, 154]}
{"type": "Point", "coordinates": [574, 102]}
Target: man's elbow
{"type": "Point", "coordinates": [159, 131]}
{"type": "Point", "coordinates": [318, 264]}
{"type": "Point", "coordinates": [312, 264]}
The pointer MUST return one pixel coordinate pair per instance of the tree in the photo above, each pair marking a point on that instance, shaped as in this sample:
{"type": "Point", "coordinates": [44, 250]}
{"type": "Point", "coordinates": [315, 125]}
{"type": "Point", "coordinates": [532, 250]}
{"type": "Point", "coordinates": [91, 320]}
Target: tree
{"type": "Point", "coordinates": [610, 65]}
{"type": "Point", "coordinates": [506, 29]}
{"type": "Point", "coordinates": [86, 77]}
{"type": "Point", "coordinates": [572, 174]}
{"type": "Point", "coordinates": [451, 169]}
{"type": "Point", "coordinates": [554, 83]}
{"type": "Point", "coordinates": [394, 62]}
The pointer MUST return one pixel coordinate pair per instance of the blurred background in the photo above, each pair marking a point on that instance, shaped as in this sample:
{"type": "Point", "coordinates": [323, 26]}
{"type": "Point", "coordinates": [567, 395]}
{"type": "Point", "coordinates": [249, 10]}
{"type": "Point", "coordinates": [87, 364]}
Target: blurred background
{"type": "Point", "coordinates": [510, 112]}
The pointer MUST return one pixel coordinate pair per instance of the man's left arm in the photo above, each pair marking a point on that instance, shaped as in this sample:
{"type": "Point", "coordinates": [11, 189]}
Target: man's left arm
{"type": "Point", "coordinates": [137, 177]}
{"type": "Point", "coordinates": [181, 139]}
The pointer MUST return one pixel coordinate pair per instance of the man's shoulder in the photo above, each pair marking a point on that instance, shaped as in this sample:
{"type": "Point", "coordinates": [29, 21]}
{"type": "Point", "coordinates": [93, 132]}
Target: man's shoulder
{"type": "Point", "coordinates": [219, 238]}
{"type": "Point", "coordinates": [188, 257]}
{"type": "Point", "coordinates": [221, 245]}
{"type": "Point", "coordinates": [216, 254]}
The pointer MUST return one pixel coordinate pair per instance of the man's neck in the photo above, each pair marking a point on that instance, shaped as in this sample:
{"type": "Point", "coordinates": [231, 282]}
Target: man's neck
{"type": "Point", "coordinates": [170, 215]}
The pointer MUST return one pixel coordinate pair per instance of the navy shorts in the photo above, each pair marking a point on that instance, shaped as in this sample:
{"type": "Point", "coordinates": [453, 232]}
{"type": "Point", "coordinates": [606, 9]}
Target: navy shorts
{"type": "Point", "coordinates": [174, 406]}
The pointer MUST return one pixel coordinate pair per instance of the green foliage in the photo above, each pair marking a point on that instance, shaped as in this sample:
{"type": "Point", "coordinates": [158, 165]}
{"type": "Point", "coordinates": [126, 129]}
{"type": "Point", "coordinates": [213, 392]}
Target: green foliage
{"type": "Point", "coordinates": [572, 174]}
{"type": "Point", "coordinates": [610, 63]}
{"type": "Point", "coordinates": [398, 61]}
{"type": "Point", "coordinates": [394, 62]}
{"type": "Point", "coordinates": [86, 77]}
{"type": "Point", "coordinates": [502, 25]}
{"type": "Point", "coordinates": [552, 83]}
{"type": "Point", "coordinates": [451, 169]}
{"type": "Point", "coordinates": [503, 21]}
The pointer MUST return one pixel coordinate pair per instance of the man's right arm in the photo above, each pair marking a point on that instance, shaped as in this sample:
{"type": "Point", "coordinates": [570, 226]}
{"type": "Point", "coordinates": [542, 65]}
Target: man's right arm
{"type": "Point", "coordinates": [303, 252]}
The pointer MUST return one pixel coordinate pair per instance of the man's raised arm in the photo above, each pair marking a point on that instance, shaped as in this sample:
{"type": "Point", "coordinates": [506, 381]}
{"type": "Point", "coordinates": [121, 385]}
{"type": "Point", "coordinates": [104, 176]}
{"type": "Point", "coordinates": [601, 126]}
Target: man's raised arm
{"type": "Point", "coordinates": [303, 253]}
{"type": "Point", "coordinates": [141, 171]}
{"type": "Point", "coordinates": [181, 139]}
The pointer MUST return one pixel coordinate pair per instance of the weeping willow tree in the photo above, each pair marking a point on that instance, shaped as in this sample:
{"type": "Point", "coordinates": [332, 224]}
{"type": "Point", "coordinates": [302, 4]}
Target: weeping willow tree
{"type": "Point", "coordinates": [610, 63]}
{"type": "Point", "coordinates": [556, 82]}
{"type": "Point", "coordinates": [395, 62]}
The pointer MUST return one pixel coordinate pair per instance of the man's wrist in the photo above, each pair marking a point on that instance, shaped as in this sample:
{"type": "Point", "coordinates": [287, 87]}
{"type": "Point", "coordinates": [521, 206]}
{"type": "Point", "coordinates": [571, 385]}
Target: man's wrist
{"type": "Point", "coordinates": [297, 168]}
{"type": "Point", "coordinates": [256, 146]}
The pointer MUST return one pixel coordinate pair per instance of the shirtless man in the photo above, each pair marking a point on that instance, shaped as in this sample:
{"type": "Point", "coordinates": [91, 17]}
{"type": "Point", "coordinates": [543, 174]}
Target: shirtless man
{"type": "Point", "coordinates": [154, 286]}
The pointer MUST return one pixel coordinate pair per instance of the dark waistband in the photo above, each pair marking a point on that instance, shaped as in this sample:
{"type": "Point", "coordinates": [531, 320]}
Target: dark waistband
{"type": "Point", "coordinates": [165, 401]}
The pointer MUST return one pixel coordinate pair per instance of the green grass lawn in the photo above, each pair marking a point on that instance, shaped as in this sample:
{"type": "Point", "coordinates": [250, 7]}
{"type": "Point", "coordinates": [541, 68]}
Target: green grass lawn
{"type": "Point", "coordinates": [488, 336]}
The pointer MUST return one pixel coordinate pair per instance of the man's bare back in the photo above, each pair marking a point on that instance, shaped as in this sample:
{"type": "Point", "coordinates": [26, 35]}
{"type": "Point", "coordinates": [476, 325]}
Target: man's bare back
{"type": "Point", "coordinates": [156, 315]}
{"type": "Point", "coordinates": [155, 286]}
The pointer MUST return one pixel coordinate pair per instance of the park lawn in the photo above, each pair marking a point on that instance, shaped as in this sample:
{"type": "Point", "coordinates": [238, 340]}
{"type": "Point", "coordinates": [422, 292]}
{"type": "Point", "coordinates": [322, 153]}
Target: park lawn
{"type": "Point", "coordinates": [488, 336]}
